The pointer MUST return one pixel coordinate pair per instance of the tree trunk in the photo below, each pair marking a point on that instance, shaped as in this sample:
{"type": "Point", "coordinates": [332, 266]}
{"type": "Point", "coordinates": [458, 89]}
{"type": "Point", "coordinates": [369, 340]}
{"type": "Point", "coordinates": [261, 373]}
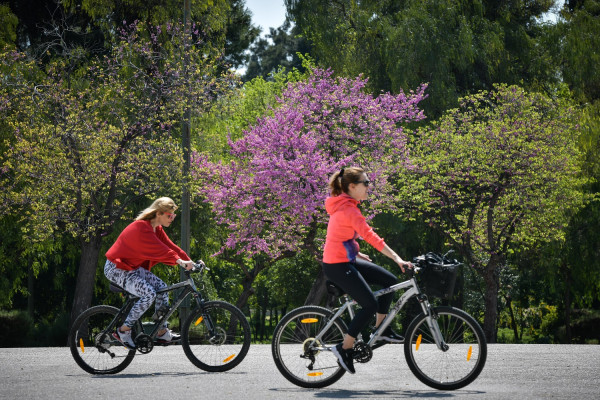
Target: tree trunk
{"type": "Point", "coordinates": [247, 291]}
{"type": "Point", "coordinates": [318, 290]}
{"type": "Point", "coordinates": [30, 290]}
{"type": "Point", "coordinates": [86, 276]}
{"type": "Point", "coordinates": [491, 300]}
{"type": "Point", "coordinates": [513, 321]}
{"type": "Point", "coordinates": [569, 334]}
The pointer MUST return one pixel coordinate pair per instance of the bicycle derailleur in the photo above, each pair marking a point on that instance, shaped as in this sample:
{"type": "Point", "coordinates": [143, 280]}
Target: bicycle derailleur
{"type": "Point", "coordinates": [362, 352]}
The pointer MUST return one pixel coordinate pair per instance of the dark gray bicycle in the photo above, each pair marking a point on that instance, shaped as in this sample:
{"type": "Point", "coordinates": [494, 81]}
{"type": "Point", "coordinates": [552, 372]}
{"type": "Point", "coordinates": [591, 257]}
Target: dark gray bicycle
{"type": "Point", "coordinates": [215, 337]}
{"type": "Point", "coordinates": [444, 347]}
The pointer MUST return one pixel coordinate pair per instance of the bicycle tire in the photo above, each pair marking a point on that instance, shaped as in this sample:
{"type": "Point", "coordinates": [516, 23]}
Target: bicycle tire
{"type": "Point", "coordinates": [94, 351]}
{"type": "Point", "coordinates": [227, 347]}
{"type": "Point", "coordinates": [460, 364]}
{"type": "Point", "coordinates": [291, 347]}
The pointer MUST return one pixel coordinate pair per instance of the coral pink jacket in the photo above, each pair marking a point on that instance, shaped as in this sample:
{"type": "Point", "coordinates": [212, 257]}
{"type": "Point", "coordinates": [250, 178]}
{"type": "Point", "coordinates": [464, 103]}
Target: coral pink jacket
{"type": "Point", "coordinates": [346, 224]}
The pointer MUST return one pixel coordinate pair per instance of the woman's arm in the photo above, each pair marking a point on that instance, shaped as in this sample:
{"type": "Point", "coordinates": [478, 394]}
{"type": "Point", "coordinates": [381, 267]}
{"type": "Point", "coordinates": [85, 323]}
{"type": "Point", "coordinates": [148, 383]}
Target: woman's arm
{"type": "Point", "coordinates": [387, 251]}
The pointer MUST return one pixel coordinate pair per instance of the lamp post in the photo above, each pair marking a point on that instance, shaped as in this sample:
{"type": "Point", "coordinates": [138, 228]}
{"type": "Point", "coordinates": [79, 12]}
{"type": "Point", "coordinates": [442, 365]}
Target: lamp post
{"type": "Point", "coordinates": [185, 143]}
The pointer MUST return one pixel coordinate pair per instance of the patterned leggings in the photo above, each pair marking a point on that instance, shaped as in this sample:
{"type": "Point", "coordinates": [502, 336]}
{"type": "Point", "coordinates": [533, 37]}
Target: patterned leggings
{"type": "Point", "coordinates": [141, 283]}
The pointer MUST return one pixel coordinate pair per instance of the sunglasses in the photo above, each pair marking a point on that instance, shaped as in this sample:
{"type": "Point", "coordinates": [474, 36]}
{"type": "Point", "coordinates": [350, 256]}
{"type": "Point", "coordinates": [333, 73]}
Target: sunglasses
{"type": "Point", "coordinates": [365, 182]}
{"type": "Point", "coordinates": [170, 215]}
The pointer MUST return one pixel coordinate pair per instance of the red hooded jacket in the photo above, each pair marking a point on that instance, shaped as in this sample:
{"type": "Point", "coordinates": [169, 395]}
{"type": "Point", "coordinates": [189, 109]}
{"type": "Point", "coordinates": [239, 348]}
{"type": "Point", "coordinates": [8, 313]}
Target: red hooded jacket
{"type": "Point", "coordinates": [141, 246]}
{"type": "Point", "coordinates": [346, 224]}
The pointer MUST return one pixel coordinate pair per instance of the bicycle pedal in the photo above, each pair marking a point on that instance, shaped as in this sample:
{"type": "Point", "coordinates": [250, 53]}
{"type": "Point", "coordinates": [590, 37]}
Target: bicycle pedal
{"type": "Point", "coordinates": [378, 345]}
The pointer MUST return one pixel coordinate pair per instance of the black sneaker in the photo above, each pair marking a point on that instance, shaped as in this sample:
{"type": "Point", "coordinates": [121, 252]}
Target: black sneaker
{"type": "Point", "coordinates": [390, 336]}
{"type": "Point", "coordinates": [344, 358]}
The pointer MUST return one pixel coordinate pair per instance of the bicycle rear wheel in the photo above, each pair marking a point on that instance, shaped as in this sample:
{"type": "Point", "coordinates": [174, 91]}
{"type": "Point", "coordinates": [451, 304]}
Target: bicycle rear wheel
{"type": "Point", "coordinates": [216, 338]}
{"type": "Point", "coordinates": [93, 347]}
{"type": "Point", "coordinates": [454, 368]}
{"type": "Point", "coordinates": [298, 353]}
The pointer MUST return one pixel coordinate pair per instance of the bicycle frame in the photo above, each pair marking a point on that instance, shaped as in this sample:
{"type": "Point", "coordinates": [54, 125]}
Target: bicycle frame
{"type": "Point", "coordinates": [187, 287]}
{"type": "Point", "coordinates": [412, 290]}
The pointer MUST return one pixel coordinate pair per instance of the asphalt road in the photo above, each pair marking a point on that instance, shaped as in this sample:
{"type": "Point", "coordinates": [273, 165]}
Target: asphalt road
{"type": "Point", "coordinates": [511, 372]}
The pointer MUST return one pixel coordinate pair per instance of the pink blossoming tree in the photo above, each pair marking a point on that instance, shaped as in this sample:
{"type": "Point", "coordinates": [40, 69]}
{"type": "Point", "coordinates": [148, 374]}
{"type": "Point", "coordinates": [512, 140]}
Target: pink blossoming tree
{"type": "Point", "coordinates": [270, 193]}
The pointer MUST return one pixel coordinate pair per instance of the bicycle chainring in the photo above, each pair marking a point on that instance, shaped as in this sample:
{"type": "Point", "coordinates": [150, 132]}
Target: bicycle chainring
{"type": "Point", "coordinates": [362, 352]}
{"type": "Point", "coordinates": [143, 343]}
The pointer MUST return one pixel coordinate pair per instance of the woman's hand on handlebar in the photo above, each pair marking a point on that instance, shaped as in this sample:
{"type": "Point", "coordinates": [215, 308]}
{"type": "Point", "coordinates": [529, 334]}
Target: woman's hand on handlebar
{"type": "Point", "coordinates": [404, 265]}
{"type": "Point", "coordinates": [188, 265]}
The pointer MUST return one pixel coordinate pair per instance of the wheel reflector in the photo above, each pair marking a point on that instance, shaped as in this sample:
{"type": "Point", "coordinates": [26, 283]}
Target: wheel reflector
{"type": "Point", "coordinates": [81, 345]}
{"type": "Point", "coordinates": [314, 374]}
{"type": "Point", "coordinates": [198, 321]}
{"type": "Point", "coordinates": [228, 358]}
{"type": "Point", "coordinates": [469, 353]}
{"type": "Point", "coordinates": [419, 341]}
{"type": "Point", "coordinates": [309, 320]}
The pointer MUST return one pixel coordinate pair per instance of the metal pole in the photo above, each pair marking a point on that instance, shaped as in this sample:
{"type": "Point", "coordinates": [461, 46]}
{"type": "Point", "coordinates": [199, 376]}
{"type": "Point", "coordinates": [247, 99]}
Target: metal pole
{"type": "Point", "coordinates": [185, 143]}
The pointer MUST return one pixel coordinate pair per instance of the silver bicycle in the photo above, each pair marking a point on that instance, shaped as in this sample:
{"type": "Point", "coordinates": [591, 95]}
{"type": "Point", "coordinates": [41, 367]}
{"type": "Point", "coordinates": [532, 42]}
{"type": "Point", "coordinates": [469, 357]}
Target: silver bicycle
{"type": "Point", "coordinates": [445, 347]}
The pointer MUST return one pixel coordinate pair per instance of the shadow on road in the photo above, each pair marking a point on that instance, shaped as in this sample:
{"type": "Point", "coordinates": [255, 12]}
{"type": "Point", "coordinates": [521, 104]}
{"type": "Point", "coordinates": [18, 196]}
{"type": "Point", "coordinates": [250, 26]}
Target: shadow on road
{"type": "Point", "coordinates": [157, 374]}
{"type": "Point", "coordinates": [380, 394]}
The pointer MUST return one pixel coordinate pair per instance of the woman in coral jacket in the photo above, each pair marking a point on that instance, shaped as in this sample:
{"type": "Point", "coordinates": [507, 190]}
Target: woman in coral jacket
{"type": "Point", "coordinates": [140, 246]}
{"type": "Point", "coordinates": [350, 269]}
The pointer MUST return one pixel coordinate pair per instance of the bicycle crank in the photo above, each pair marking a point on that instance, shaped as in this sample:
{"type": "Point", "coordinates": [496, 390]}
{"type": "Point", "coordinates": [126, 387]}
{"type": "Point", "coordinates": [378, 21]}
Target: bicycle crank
{"type": "Point", "coordinates": [143, 343]}
{"type": "Point", "coordinates": [362, 352]}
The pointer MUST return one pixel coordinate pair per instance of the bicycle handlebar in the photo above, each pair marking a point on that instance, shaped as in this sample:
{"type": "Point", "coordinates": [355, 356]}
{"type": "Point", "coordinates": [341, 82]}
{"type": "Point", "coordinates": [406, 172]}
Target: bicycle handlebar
{"type": "Point", "coordinates": [198, 267]}
{"type": "Point", "coordinates": [432, 260]}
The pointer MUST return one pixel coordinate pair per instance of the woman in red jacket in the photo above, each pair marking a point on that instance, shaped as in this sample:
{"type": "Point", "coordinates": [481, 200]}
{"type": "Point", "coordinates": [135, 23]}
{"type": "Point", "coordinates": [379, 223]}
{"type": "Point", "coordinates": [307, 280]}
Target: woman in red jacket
{"type": "Point", "coordinates": [350, 269]}
{"type": "Point", "coordinates": [140, 246]}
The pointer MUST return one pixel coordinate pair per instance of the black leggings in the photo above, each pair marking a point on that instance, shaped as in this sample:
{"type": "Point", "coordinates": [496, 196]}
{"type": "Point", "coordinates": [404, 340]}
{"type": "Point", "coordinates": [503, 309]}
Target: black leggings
{"type": "Point", "coordinates": [354, 279]}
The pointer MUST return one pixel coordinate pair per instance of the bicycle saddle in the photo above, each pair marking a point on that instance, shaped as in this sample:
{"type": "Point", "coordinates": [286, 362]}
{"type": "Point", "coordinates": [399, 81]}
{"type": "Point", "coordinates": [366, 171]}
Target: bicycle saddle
{"type": "Point", "coordinates": [334, 289]}
{"type": "Point", "coordinates": [116, 288]}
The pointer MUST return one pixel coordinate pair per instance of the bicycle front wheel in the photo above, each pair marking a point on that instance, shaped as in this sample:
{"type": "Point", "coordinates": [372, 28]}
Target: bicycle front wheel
{"type": "Point", "coordinates": [92, 345]}
{"type": "Point", "coordinates": [216, 338]}
{"type": "Point", "coordinates": [301, 345]}
{"type": "Point", "coordinates": [454, 367]}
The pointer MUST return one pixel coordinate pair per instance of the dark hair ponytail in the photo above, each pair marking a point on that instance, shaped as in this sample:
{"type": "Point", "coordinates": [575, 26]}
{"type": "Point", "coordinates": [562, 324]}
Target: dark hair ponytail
{"type": "Point", "coordinates": [340, 180]}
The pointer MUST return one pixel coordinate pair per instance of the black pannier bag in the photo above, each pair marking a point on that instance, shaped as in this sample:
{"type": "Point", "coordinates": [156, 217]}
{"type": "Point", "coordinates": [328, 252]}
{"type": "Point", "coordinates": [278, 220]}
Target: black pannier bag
{"type": "Point", "coordinates": [438, 275]}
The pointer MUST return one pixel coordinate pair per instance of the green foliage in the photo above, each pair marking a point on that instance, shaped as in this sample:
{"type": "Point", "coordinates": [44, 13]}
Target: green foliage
{"type": "Point", "coordinates": [500, 172]}
{"type": "Point", "coordinates": [281, 48]}
{"type": "Point", "coordinates": [458, 47]}
{"type": "Point", "coordinates": [8, 26]}
{"type": "Point", "coordinates": [231, 115]}
{"type": "Point", "coordinates": [580, 35]}
{"type": "Point", "coordinates": [17, 326]}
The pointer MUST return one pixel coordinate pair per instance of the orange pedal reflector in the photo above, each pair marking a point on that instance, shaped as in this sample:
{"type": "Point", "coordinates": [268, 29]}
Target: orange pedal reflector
{"type": "Point", "coordinates": [314, 374]}
{"type": "Point", "coordinates": [419, 341]}
{"type": "Point", "coordinates": [228, 358]}
{"type": "Point", "coordinates": [469, 353]}
{"type": "Point", "coordinates": [81, 345]}
{"type": "Point", "coordinates": [309, 320]}
{"type": "Point", "coordinates": [198, 321]}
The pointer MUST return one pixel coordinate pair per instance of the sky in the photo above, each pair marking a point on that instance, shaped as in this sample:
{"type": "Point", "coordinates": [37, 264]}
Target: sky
{"type": "Point", "coordinates": [267, 13]}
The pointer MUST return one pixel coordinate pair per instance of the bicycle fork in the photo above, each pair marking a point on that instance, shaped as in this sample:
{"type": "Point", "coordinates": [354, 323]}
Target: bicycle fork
{"type": "Point", "coordinates": [434, 328]}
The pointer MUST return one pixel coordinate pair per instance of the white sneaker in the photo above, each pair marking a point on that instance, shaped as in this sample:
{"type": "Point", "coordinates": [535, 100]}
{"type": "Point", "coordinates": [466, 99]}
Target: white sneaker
{"type": "Point", "coordinates": [168, 336]}
{"type": "Point", "coordinates": [125, 338]}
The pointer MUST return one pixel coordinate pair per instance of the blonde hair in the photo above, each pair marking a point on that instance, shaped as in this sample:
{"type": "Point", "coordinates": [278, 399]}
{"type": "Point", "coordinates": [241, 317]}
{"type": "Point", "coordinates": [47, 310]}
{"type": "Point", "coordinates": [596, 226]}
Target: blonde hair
{"type": "Point", "coordinates": [339, 181]}
{"type": "Point", "coordinates": [163, 204]}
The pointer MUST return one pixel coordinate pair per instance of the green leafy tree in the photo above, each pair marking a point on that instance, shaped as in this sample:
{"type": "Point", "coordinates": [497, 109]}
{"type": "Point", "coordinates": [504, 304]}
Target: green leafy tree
{"type": "Point", "coordinates": [8, 26]}
{"type": "Point", "coordinates": [498, 174]}
{"type": "Point", "coordinates": [279, 49]}
{"type": "Point", "coordinates": [90, 142]}
{"type": "Point", "coordinates": [458, 47]}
